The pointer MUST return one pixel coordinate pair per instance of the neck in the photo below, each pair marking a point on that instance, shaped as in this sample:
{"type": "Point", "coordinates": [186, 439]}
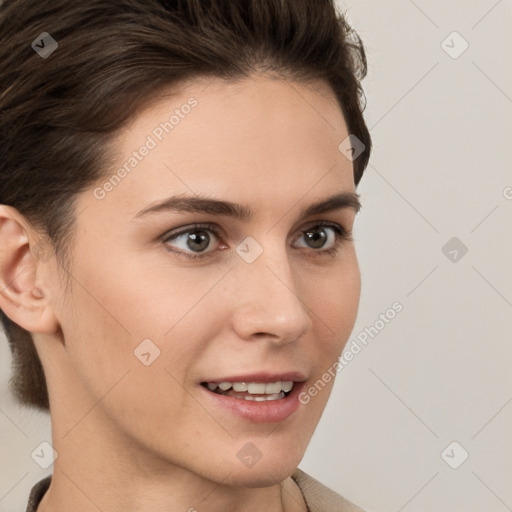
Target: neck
{"type": "Point", "coordinates": [66, 494]}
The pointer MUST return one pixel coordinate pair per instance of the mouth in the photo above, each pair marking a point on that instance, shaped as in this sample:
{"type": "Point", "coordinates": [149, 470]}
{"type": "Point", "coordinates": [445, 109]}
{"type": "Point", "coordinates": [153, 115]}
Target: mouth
{"type": "Point", "coordinates": [252, 391]}
{"type": "Point", "coordinates": [259, 397]}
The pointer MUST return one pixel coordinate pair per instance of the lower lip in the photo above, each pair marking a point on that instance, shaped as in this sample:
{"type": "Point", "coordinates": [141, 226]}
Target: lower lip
{"type": "Point", "coordinates": [269, 411]}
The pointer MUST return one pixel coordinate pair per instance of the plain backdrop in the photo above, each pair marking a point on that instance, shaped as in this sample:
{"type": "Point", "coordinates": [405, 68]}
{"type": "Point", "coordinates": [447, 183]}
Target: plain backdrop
{"type": "Point", "coordinates": [420, 419]}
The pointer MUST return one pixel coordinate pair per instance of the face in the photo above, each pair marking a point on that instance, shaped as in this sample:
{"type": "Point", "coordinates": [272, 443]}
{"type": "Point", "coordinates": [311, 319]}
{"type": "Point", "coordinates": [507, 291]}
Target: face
{"type": "Point", "coordinates": [167, 298]}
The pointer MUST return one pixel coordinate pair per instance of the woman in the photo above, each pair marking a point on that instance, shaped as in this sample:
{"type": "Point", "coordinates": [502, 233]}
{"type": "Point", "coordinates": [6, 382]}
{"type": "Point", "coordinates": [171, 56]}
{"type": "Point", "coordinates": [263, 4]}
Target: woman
{"type": "Point", "coordinates": [178, 275]}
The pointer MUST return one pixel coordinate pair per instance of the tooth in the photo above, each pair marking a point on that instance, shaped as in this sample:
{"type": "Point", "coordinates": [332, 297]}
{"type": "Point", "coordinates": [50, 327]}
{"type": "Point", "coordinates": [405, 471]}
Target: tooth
{"type": "Point", "coordinates": [268, 398]}
{"type": "Point", "coordinates": [256, 388]}
{"type": "Point", "coordinates": [276, 396]}
{"type": "Point", "coordinates": [212, 386]}
{"type": "Point", "coordinates": [272, 388]}
{"type": "Point", "coordinates": [225, 386]}
{"type": "Point", "coordinates": [239, 386]}
{"type": "Point", "coordinates": [264, 398]}
{"type": "Point", "coordinates": [287, 386]}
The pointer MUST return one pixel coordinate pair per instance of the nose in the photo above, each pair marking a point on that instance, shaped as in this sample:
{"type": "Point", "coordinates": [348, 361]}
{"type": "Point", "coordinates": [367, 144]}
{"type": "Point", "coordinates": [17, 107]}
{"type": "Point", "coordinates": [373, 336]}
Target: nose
{"type": "Point", "coordinates": [268, 302]}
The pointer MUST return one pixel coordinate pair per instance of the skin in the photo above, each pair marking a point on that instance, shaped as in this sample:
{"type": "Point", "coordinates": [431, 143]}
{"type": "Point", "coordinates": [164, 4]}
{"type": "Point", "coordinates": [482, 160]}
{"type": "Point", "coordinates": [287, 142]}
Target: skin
{"type": "Point", "coordinates": [131, 437]}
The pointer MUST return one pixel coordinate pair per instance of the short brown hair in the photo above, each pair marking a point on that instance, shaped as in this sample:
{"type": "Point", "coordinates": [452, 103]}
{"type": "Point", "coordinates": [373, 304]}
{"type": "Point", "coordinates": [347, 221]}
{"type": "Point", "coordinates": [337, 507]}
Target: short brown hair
{"type": "Point", "coordinates": [58, 114]}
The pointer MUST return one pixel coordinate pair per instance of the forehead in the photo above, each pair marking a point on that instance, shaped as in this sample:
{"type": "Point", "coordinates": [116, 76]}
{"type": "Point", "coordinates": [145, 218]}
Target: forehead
{"type": "Point", "coordinates": [261, 138]}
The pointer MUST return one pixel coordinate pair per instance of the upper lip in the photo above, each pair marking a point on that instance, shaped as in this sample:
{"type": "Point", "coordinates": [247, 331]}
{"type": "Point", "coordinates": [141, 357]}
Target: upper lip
{"type": "Point", "coordinates": [262, 377]}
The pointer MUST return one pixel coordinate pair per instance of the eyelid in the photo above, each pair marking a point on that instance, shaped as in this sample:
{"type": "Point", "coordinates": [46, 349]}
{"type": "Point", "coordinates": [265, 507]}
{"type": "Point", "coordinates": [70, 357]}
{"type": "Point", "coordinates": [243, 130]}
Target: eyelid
{"type": "Point", "coordinates": [196, 226]}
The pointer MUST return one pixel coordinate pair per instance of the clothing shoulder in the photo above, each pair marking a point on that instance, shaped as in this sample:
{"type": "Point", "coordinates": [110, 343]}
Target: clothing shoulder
{"type": "Point", "coordinates": [320, 498]}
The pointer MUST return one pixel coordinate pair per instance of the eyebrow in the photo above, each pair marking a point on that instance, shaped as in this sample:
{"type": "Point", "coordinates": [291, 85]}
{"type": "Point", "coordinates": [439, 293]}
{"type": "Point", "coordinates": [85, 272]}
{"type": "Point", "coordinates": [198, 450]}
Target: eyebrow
{"type": "Point", "coordinates": [198, 204]}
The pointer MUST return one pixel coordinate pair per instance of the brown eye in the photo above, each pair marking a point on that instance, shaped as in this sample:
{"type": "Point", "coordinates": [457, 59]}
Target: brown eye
{"type": "Point", "coordinates": [321, 234]}
{"type": "Point", "coordinates": [193, 241]}
{"type": "Point", "coordinates": [316, 237]}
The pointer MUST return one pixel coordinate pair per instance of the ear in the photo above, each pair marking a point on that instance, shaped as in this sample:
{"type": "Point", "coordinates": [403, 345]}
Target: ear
{"type": "Point", "coordinates": [24, 266]}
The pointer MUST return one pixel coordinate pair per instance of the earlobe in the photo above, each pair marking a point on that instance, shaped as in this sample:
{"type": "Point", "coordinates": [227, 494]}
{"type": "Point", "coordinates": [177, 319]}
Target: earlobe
{"type": "Point", "coordinates": [21, 299]}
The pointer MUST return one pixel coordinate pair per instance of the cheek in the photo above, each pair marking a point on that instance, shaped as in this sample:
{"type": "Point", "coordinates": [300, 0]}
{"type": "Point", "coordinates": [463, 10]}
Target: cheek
{"type": "Point", "coordinates": [107, 315]}
{"type": "Point", "coordinates": [116, 305]}
{"type": "Point", "coordinates": [335, 311]}
{"type": "Point", "coordinates": [335, 307]}
{"type": "Point", "coordinates": [109, 323]}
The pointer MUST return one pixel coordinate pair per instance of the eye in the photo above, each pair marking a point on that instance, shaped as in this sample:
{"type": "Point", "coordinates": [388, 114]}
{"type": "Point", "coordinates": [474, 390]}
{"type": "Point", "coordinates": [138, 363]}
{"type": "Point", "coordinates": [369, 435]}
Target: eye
{"type": "Point", "coordinates": [196, 240]}
{"type": "Point", "coordinates": [317, 236]}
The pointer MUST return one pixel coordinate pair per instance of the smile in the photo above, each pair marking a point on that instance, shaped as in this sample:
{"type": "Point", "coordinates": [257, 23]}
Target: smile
{"type": "Point", "coordinates": [252, 391]}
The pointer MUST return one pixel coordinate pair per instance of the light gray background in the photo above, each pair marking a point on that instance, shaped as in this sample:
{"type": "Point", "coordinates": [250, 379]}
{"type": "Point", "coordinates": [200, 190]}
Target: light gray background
{"type": "Point", "coordinates": [440, 371]}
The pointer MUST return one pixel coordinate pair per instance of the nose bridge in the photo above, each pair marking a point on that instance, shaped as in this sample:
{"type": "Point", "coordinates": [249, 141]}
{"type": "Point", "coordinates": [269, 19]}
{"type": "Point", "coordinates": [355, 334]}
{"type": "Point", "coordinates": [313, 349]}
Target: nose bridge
{"type": "Point", "coordinates": [268, 301]}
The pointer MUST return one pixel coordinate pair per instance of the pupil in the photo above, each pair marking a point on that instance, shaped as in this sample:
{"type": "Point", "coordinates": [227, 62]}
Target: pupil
{"type": "Point", "coordinates": [315, 237]}
{"type": "Point", "coordinates": [197, 239]}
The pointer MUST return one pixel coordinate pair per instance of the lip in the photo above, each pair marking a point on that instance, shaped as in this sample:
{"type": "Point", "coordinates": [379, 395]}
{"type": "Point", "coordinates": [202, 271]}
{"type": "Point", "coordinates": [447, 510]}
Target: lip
{"type": "Point", "coordinates": [262, 377]}
{"type": "Point", "coordinates": [271, 411]}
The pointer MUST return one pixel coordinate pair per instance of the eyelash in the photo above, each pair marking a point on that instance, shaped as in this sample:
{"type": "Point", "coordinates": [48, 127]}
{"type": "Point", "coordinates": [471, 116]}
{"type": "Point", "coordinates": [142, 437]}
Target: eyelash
{"type": "Point", "coordinates": [341, 234]}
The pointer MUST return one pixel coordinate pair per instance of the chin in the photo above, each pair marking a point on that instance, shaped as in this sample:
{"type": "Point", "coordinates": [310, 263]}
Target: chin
{"type": "Point", "coordinates": [263, 473]}
{"type": "Point", "coordinates": [253, 478]}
